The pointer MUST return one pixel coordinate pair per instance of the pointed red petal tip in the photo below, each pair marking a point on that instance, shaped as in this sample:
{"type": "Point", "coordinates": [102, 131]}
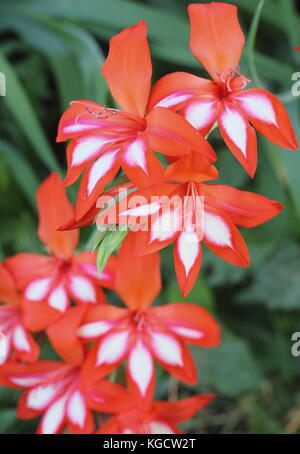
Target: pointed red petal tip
{"type": "Point", "coordinates": [216, 39]}
{"type": "Point", "coordinates": [128, 68]}
{"type": "Point", "coordinates": [297, 48]}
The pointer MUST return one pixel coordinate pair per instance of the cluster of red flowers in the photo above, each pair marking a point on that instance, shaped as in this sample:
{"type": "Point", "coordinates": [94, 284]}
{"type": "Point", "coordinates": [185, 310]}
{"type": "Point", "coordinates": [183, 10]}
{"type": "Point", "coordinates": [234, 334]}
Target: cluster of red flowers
{"type": "Point", "coordinates": [60, 294]}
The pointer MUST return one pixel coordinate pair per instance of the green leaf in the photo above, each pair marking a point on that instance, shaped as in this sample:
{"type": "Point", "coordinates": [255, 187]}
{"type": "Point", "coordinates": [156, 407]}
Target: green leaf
{"type": "Point", "coordinates": [21, 171]}
{"type": "Point", "coordinates": [276, 283]}
{"type": "Point", "coordinates": [109, 244]}
{"type": "Point", "coordinates": [230, 368]}
{"type": "Point", "coordinates": [22, 111]}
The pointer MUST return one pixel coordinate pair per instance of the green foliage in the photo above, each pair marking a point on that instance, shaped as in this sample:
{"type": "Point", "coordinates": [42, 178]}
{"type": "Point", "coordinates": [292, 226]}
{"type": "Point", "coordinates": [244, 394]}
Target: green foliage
{"type": "Point", "coordinates": [51, 53]}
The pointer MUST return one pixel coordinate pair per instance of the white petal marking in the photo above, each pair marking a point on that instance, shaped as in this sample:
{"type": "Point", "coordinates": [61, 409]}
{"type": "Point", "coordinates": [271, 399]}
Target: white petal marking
{"type": "Point", "coordinates": [86, 148]}
{"type": "Point", "coordinates": [216, 230]}
{"type": "Point", "coordinates": [112, 347]}
{"type": "Point", "coordinates": [135, 155]}
{"type": "Point", "coordinates": [200, 113]}
{"type": "Point", "coordinates": [83, 289]}
{"type": "Point", "coordinates": [236, 128]}
{"type": "Point", "coordinates": [188, 249]}
{"type": "Point", "coordinates": [4, 348]}
{"type": "Point", "coordinates": [54, 416]}
{"type": "Point", "coordinates": [167, 348]}
{"type": "Point", "coordinates": [93, 329]}
{"type": "Point", "coordinates": [187, 332]}
{"type": "Point", "coordinates": [140, 365]}
{"type": "Point", "coordinates": [79, 127]}
{"type": "Point", "coordinates": [142, 210]}
{"type": "Point", "coordinates": [165, 225]}
{"type": "Point", "coordinates": [173, 99]}
{"type": "Point", "coordinates": [41, 396]}
{"type": "Point", "coordinates": [258, 106]}
{"type": "Point", "coordinates": [20, 340]}
{"type": "Point", "coordinates": [58, 299]}
{"type": "Point", "coordinates": [100, 168]}
{"type": "Point", "coordinates": [76, 409]}
{"type": "Point", "coordinates": [38, 289]}
{"type": "Point", "coordinates": [25, 382]}
{"type": "Point", "coordinates": [158, 427]}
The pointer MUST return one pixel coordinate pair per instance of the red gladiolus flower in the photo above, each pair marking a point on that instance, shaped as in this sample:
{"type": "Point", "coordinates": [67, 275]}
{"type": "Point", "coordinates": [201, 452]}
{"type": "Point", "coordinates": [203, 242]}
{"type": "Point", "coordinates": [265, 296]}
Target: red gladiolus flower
{"type": "Point", "coordinates": [139, 332]}
{"type": "Point", "coordinates": [61, 275]}
{"type": "Point", "coordinates": [154, 417]}
{"type": "Point", "coordinates": [189, 211]}
{"type": "Point", "coordinates": [15, 340]}
{"type": "Point", "coordinates": [64, 393]}
{"type": "Point", "coordinates": [217, 42]}
{"type": "Point", "coordinates": [104, 139]}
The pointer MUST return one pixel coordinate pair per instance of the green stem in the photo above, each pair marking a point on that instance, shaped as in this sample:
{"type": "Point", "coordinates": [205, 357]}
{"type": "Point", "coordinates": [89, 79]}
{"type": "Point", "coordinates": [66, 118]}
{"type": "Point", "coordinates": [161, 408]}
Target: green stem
{"type": "Point", "coordinates": [251, 44]}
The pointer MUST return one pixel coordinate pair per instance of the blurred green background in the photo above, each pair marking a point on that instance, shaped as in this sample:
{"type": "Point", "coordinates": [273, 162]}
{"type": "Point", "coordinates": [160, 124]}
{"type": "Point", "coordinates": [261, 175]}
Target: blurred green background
{"type": "Point", "coordinates": [51, 53]}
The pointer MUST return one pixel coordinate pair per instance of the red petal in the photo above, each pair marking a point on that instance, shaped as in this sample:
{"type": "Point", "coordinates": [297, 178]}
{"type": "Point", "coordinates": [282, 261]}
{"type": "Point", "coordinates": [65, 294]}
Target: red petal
{"type": "Point", "coordinates": [63, 335]}
{"type": "Point", "coordinates": [128, 68]}
{"type": "Point", "coordinates": [95, 178]}
{"type": "Point", "coordinates": [216, 37]}
{"type": "Point", "coordinates": [141, 166]}
{"type": "Point", "coordinates": [8, 290]}
{"type": "Point", "coordinates": [239, 136]}
{"type": "Point", "coordinates": [136, 291]}
{"type": "Point", "coordinates": [268, 116]}
{"type": "Point", "coordinates": [190, 322]}
{"type": "Point", "coordinates": [245, 209]}
{"type": "Point", "coordinates": [187, 261]}
{"type": "Point", "coordinates": [223, 238]}
{"type": "Point", "coordinates": [182, 409]}
{"type": "Point", "coordinates": [174, 356]}
{"type": "Point", "coordinates": [55, 209]}
{"type": "Point", "coordinates": [38, 315]}
{"type": "Point", "coordinates": [172, 135]}
{"type": "Point", "coordinates": [173, 90]}
{"type": "Point", "coordinates": [192, 167]}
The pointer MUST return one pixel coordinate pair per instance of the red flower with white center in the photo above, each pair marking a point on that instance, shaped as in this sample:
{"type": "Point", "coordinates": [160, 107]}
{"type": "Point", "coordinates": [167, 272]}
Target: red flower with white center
{"type": "Point", "coordinates": [61, 275]}
{"type": "Point", "coordinates": [15, 340]}
{"type": "Point", "coordinates": [155, 417]}
{"type": "Point", "coordinates": [104, 139]}
{"type": "Point", "coordinates": [64, 393]}
{"type": "Point", "coordinates": [217, 42]}
{"type": "Point", "coordinates": [139, 332]}
{"type": "Point", "coordinates": [206, 212]}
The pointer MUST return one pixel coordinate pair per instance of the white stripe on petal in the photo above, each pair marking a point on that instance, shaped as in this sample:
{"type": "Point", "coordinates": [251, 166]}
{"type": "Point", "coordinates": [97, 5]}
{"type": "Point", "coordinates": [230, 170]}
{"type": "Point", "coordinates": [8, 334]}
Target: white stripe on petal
{"type": "Point", "coordinates": [83, 289]}
{"type": "Point", "coordinates": [143, 210]}
{"type": "Point", "coordinates": [258, 106]}
{"type": "Point", "coordinates": [188, 249]}
{"type": "Point", "coordinates": [54, 416]}
{"type": "Point", "coordinates": [200, 113]}
{"type": "Point", "coordinates": [41, 396]}
{"type": "Point", "coordinates": [76, 409]}
{"type": "Point", "coordinates": [19, 339]}
{"type": "Point", "coordinates": [25, 382]}
{"type": "Point", "coordinates": [86, 148]}
{"type": "Point", "coordinates": [165, 225]}
{"type": "Point", "coordinates": [187, 332]}
{"type": "Point", "coordinates": [167, 348]}
{"type": "Point", "coordinates": [173, 99]}
{"type": "Point", "coordinates": [158, 427]}
{"type": "Point", "coordinates": [135, 155]}
{"type": "Point", "coordinates": [100, 168]}
{"type": "Point", "coordinates": [93, 329]}
{"type": "Point", "coordinates": [236, 128]}
{"type": "Point", "coordinates": [112, 347]}
{"type": "Point", "coordinates": [58, 299]}
{"type": "Point", "coordinates": [38, 289]}
{"type": "Point", "coordinates": [79, 127]}
{"type": "Point", "coordinates": [216, 230]}
{"type": "Point", "coordinates": [4, 347]}
{"type": "Point", "coordinates": [140, 365]}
